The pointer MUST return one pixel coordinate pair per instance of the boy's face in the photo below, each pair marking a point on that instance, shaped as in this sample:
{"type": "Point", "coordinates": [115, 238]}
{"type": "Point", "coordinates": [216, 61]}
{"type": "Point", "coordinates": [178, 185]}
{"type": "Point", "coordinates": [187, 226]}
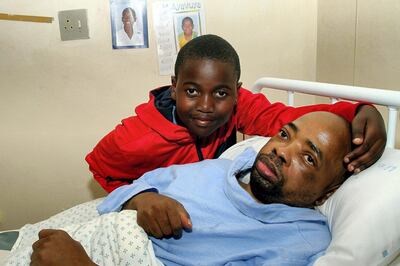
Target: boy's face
{"type": "Point", "coordinates": [187, 27]}
{"type": "Point", "coordinates": [205, 93]}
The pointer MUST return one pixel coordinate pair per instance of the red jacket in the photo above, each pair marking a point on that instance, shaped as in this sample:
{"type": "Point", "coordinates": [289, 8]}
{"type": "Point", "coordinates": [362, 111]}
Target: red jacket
{"type": "Point", "coordinates": [148, 140]}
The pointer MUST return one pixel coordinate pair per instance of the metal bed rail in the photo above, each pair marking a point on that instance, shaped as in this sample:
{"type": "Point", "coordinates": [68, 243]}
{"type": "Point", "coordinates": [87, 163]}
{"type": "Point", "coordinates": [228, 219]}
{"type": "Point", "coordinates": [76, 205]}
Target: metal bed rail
{"type": "Point", "coordinates": [336, 92]}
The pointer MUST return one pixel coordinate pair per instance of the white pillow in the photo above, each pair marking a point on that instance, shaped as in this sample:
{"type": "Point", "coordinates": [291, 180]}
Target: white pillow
{"type": "Point", "coordinates": [255, 142]}
{"type": "Point", "coordinates": [363, 214]}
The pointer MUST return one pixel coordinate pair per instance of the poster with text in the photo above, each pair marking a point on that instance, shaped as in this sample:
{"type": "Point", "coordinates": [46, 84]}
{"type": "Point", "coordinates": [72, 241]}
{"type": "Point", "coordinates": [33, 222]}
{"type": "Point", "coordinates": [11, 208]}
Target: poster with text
{"type": "Point", "coordinates": [175, 24]}
{"type": "Point", "coordinates": [129, 24]}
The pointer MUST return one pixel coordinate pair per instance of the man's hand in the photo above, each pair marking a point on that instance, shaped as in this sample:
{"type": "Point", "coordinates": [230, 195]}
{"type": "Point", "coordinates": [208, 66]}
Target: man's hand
{"type": "Point", "coordinates": [369, 134]}
{"type": "Point", "coordinates": [56, 247]}
{"type": "Point", "coordinates": [160, 216]}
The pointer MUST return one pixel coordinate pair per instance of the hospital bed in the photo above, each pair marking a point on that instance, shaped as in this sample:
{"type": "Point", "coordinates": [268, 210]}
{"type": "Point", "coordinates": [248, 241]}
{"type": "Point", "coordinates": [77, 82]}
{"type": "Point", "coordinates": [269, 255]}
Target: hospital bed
{"type": "Point", "coordinates": [363, 214]}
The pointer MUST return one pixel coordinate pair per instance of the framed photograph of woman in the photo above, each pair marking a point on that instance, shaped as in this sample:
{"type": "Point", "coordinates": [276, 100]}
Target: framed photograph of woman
{"type": "Point", "coordinates": [129, 24]}
{"type": "Point", "coordinates": [186, 27]}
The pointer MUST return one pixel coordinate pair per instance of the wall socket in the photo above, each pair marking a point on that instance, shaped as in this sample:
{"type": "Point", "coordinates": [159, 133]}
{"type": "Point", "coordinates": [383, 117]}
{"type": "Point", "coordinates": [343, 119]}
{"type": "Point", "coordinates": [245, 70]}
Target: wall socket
{"type": "Point", "coordinates": [73, 24]}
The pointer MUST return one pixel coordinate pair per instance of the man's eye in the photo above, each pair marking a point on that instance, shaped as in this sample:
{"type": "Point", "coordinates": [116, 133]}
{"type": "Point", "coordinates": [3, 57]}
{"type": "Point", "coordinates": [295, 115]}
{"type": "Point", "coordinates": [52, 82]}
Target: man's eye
{"type": "Point", "coordinates": [282, 133]}
{"type": "Point", "coordinates": [191, 92]}
{"type": "Point", "coordinates": [309, 159]}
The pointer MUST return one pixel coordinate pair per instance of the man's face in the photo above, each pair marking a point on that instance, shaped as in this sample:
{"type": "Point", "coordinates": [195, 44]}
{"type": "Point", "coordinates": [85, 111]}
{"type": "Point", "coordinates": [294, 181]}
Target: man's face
{"type": "Point", "coordinates": [205, 93]}
{"type": "Point", "coordinates": [303, 162]}
{"type": "Point", "coordinates": [127, 17]}
{"type": "Point", "coordinates": [187, 27]}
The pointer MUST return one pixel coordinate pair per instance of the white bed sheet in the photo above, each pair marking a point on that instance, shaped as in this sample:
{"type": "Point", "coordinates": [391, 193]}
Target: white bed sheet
{"type": "Point", "coordinates": [112, 239]}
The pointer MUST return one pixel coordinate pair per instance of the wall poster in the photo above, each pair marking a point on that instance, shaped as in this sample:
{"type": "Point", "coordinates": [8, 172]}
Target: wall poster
{"type": "Point", "coordinates": [176, 23]}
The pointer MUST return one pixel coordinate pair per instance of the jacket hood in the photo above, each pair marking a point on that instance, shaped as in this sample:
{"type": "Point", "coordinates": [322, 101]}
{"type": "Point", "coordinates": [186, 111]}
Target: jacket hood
{"type": "Point", "coordinates": [150, 116]}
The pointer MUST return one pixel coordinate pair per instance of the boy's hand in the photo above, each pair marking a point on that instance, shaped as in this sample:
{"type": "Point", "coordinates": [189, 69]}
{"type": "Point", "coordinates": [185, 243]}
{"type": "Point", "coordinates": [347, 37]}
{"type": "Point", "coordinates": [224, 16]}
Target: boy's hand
{"type": "Point", "coordinates": [160, 216]}
{"type": "Point", "coordinates": [56, 247]}
{"type": "Point", "coordinates": [369, 134]}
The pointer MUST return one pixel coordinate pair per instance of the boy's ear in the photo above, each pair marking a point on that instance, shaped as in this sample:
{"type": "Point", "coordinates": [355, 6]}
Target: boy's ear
{"type": "Point", "coordinates": [173, 81]}
{"type": "Point", "coordinates": [238, 86]}
{"type": "Point", "coordinates": [173, 88]}
{"type": "Point", "coordinates": [324, 197]}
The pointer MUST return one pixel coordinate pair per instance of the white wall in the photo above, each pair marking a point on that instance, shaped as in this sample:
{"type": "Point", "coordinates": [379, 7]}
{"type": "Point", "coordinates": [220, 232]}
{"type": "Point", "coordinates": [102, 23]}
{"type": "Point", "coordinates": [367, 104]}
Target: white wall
{"type": "Point", "coordinates": [358, 44]}
{"type": "Point", "coordinates": [57, 99]}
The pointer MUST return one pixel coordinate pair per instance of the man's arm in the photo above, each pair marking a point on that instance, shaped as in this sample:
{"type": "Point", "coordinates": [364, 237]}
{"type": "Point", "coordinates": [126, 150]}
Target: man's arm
{"type": "Point", "coordinates": [257, 116]}
{"type": "Point", "coordinates": [154, 181]}
{"type": "Point", "coordinates": [158, 215]}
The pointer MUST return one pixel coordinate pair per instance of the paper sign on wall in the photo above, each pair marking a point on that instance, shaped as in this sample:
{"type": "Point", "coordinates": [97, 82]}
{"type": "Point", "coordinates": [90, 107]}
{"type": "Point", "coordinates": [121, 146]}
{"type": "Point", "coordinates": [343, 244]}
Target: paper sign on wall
{"type": "Point", "coordinates": [175, 23]}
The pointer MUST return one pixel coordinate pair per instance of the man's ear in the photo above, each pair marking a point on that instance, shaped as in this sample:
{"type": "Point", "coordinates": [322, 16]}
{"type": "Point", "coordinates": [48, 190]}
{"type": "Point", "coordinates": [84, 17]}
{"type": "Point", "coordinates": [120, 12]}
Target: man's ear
{"type": "Point", "coordinates": [173, 88]}
{"type": "Point", "coordinates": [324, 197]}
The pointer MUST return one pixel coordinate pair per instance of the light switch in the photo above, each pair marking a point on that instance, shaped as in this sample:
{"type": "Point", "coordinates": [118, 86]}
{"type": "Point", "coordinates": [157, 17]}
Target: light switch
{"type": "Point", "coordinates": [73, 24]}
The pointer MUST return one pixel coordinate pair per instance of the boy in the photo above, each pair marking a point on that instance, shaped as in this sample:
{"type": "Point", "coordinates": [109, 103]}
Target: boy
{"type": "Point", "coordinates": [197, 118]}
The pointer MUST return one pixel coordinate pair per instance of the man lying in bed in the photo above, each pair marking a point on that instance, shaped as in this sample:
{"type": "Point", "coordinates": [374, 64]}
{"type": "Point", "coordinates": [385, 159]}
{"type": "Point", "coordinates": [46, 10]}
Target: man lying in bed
{"type": "Point", "coordinates": [269, 220]}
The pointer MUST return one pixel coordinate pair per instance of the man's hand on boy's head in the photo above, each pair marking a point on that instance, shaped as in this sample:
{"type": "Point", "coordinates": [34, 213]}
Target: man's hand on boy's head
{"type": "Point", "coordinates": [160, 216]}
{"type": "Point", "coordinates": [369, 136]}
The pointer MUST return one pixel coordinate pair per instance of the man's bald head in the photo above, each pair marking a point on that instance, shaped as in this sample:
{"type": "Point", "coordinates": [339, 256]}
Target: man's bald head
{"type": "Point", "coordinates": [303, 163]}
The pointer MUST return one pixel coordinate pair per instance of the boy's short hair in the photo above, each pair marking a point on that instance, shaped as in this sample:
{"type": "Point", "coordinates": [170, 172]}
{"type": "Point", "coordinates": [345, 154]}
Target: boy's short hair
{"type": "Point", "coordinates": [210, 47]}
